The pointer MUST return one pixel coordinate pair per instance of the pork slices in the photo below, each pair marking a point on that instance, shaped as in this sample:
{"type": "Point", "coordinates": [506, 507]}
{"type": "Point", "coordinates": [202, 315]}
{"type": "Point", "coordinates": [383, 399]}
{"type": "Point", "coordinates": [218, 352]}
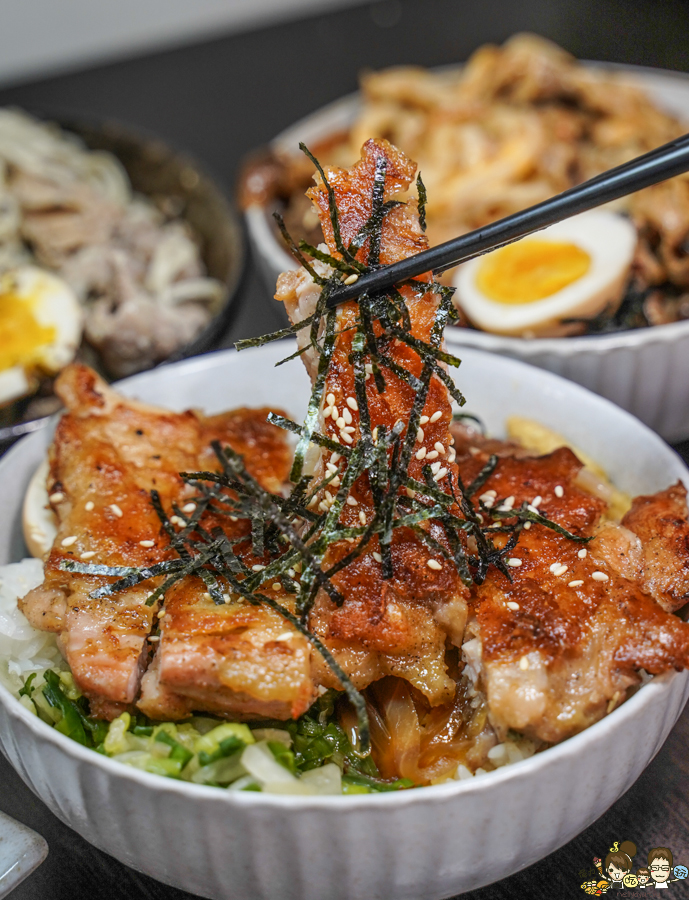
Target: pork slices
{"type": "Point", "coordinates": [108, 454]}
{"type": "Point", "coordinates": [396, 626]}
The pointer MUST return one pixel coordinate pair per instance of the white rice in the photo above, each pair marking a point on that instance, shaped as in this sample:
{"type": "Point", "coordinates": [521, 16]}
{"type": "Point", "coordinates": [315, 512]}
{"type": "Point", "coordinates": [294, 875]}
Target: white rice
{"type": "Point", "coordinates": [23, 648]}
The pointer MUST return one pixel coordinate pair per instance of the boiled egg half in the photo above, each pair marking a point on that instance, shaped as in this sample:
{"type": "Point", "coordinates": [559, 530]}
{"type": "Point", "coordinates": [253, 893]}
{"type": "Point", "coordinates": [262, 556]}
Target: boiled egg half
{"type": "Point", "coordinates": [571, 270]}
{"type": "Point", "coordinates": [40, 329]}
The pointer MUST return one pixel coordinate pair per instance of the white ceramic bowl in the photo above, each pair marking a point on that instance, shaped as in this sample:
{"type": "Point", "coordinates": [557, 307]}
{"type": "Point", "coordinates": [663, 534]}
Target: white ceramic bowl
{"type": "Point", "coordinates": [645, 371]}
{"type": "Point", "coordinates": [421, 844]}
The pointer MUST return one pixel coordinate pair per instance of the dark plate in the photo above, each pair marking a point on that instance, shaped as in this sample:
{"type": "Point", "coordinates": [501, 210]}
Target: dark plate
{"type": "Point", "coordinates": [157, 170]}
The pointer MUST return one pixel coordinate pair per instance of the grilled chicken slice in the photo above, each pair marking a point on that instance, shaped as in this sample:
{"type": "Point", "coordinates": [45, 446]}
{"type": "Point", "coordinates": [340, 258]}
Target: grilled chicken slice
{"type": "Point", "coordinates": [108, 454]}
{"type": "Point", "coordinates": [397, 626]}
{"type": "Point", "coordinates": [660, 522]}
{"type": "Point", "coordinates": [559, 645]}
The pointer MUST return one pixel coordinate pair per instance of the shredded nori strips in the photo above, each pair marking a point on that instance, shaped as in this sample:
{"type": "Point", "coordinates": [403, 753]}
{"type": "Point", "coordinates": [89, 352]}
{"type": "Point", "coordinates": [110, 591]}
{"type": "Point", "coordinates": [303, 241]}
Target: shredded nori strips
{"type": "Point", "coordinates": [287, 531]}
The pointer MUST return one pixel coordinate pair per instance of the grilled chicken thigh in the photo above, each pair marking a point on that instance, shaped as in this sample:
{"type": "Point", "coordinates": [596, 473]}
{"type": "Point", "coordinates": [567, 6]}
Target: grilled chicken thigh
{"type": "Point", "coordinates": [108, 454]}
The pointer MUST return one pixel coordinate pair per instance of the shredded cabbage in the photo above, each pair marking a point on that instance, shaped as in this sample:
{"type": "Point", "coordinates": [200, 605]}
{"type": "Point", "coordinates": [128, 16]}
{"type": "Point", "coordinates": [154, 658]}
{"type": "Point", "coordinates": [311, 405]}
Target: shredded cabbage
{"type": "Point", "coordinates": [309, 756]}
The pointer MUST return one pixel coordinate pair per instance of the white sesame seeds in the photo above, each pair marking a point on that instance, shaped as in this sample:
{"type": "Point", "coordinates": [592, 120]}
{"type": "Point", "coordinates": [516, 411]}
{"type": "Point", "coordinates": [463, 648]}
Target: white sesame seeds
{"type": "Point", "coordinates": [435, 467]}
{"type": "Point", "coordinates": [576, 583]}
{"type": "Point", "coordinates": [451, 455]}
{"type": "Point", "coordinates": [362, 517]}
{"type": "Point", "coordinates": [257, 568]}
{"type": "Point", "coordinates": [154, 637]}
{"type": "Point", "coordinates": [88, 554]}
{"type": "Point", "coordinates": [423, 420]}
{"type": "Point", "coordinates": [341, 422]}
{"type": "Point", "coordinates": [336, 457]}
{"type": "Point", "coordinates": [555, 566]}
{"type": "Point", "coordinates": [561, 570]}
{"type": "Point", "coordinates": [328, 496]}
{"type": "Point", "coordinates": [600, 576]}
{"type": "Point", "coordinates": [420, 435]}
{"type": "Point", "coordinates": [537, 501]}
{"type": "Point", "coordinates": [334, 414]}
{"type": "Point", "coordinates": [488, 498]}
{"type": "Point", "coordinates": [116, 510]}
{"type": "Point", "coordinates": [378, 558]}
{"type": "Point", "coordinates": [436, 415]}
{"type": "Point", "coordinates": [514, 562]}
{"type": "Point", "coordinates": [350, 279]}
{"type": "Point", "coordinates": [440, 474]}
{"type": "Point", "coordinates": [432, 454]}
{"type": "Point", "coordinates": [512, 605]}
{"type": "Point", "coordinates": [352, 404]}
{"type": "Point", "coordinates": [421, 453]}
{"type": "Point", "coordinates": [524, 663]}
{"type": "Point", "coordinates": [347, 438]}
{"type": "Point", "coordinates": [276, 585]}
{"type": "Point", "coordinates": [527, 525]}
{"type": "Point", "coordinates": [188, 508]}
{"type": "Point", "coordinates": [233, 519]}
{"type": "Point", "coordinates": [330, 399]}
{"type": "Point", "coordinates": [582, 553]}
{"type": "Point", "coordinates": [161, 613]}
{"type": "Point", "coordinates": [349, 429]}
{"type": "Point", "coordinates": [147, 544]}
{"type": "Point", "coordinates": [177, 520]}
{"type": "Point", "coordinates": [206, 596]}
{"type": "Point", "coordinates": [351, 501]}
{"type": "Point", "coordinates": [411, 493]}
{"type": "Point", "coordinates": [331, 468]}
{"type": "Point", "coordinates": [89, 506]}
{"type": "Point", "coordinates": [434, 564]}
{"type": "Point", "coordinates": [68, 541]}
{"type": "Point", "coordinates": [57, 497]}
{"type": "Point", "coordinates": [439, 447]}
{"type": "Point", "coordinates": [347, 416]}
{"type": "Point", "coordinates": [559, 490]}
{"type": "Point", "coordinates": [369, 368]}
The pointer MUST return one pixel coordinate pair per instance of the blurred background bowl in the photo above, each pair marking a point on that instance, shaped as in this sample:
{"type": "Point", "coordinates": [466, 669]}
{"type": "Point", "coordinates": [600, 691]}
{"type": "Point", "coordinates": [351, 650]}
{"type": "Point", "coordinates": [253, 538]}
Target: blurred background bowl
{"type": "Point", "coordinates": [643, 370]}
{"type": "Point", "coordinates": [165, 176]}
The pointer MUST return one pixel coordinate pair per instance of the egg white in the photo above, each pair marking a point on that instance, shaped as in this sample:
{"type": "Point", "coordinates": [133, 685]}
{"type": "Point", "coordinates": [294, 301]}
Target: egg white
{"type": "Point", "coordinates": [53, 304]}
{"type": "Point", "coordinates": [610, 241]}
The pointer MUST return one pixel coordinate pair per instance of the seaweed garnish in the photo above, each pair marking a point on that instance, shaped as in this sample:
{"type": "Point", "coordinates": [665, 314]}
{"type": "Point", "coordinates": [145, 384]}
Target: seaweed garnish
{"type": "Point", "coordinates": [423, 199]}
{"type": "Point", "coordinates": [292, 534]}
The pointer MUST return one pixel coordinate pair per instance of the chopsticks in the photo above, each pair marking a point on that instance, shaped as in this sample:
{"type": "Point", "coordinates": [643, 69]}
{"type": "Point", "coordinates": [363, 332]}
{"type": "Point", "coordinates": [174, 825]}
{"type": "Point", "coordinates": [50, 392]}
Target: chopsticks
{"type": "Point", "coordinates": [657, 165]}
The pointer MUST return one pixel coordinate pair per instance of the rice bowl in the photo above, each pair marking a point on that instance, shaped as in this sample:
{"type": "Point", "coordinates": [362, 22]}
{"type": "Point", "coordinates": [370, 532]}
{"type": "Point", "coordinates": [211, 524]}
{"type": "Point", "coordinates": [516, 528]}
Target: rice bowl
{"type": "Point", "coordinates": [407, 845]}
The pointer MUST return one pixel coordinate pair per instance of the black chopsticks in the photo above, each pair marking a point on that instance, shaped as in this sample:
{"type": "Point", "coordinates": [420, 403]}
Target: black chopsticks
{"type": "Point", "coordinates": [658, 165]}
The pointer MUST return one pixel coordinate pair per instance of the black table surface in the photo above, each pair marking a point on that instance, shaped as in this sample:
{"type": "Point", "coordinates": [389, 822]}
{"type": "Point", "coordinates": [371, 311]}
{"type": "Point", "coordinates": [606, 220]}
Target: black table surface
{"type": "Point", "coordinates": [219, 100]}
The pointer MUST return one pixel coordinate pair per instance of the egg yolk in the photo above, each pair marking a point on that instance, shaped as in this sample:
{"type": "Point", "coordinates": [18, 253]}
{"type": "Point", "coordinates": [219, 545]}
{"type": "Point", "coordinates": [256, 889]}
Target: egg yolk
{"type": "Point", "coordinates": [531, 270]}
{"type": "Point", "coordinates": [22, 337]}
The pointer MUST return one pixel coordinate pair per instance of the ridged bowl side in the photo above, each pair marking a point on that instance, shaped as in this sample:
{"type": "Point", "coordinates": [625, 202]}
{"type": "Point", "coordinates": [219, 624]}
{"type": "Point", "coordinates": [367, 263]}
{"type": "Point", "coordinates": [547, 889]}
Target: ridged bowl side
{"type": "Point", "coordinates": [645, 371]}
{"type": "Point", "coordinates": [415, 845]}
{"type": "Point", "coordinates": [421, 845]}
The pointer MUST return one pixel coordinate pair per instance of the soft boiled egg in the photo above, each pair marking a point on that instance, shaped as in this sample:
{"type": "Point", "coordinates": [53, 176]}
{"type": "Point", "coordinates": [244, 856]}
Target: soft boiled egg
{"type": "Point", "coordinates": [571, 270]}
{"type": "Point", "coordinates": [40, 329]}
